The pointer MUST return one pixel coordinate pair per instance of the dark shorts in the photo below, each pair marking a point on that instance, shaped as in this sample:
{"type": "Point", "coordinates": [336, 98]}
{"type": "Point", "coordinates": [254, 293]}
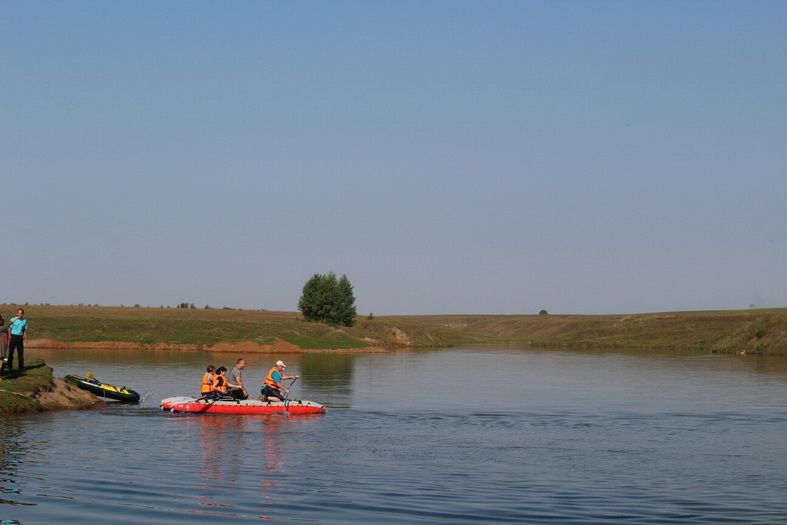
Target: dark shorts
{"type": "Point", "coordinates": [236, 393]}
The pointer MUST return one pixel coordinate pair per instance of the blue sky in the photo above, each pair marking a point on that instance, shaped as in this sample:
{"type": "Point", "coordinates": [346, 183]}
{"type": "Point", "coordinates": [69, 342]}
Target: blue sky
{"type": "Point", "coordinates": [449, 157]}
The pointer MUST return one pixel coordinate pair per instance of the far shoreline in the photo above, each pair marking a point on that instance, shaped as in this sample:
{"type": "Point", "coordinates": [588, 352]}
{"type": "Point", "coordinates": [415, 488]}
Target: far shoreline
{"type": "Point", "coordinates": [245, 347]}
{"type": "Point", "coordinates": [743, 332]}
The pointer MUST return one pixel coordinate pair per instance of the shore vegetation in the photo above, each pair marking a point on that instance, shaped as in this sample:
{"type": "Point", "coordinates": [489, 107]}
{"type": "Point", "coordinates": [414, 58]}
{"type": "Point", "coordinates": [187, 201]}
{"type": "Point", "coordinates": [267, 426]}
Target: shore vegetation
{"type": "Point", "coordinates": [756, 331]}
{"type": "Point", "coordinates": [34, 390]}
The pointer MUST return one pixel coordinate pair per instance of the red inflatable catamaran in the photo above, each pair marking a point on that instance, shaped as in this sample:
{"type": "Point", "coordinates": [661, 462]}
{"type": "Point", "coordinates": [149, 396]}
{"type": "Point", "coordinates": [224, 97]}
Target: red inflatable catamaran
{"type": "Point", "coordinates": [191, 405]}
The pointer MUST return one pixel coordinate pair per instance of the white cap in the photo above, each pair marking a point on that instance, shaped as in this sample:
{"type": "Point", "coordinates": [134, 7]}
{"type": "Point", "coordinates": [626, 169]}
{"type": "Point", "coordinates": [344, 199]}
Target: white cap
{"type": "Point", "coordinates": [281, 364]}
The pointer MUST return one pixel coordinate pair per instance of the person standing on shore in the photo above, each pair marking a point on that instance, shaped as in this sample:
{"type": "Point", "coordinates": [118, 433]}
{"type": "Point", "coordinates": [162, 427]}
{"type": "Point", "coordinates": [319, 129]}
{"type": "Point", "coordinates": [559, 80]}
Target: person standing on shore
{"type": "Point", "coordinates": [18, 329]}
{"type": "Point", "coordinates": [235, 381]}
{"type": "Point", "coordinates": [3, 344]}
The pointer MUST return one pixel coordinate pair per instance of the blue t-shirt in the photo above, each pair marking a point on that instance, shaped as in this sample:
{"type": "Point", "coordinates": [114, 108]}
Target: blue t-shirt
{"type": "Point", "coordinates": [18, 326]}
{"type": "Point", "coordinates": [276, 376]}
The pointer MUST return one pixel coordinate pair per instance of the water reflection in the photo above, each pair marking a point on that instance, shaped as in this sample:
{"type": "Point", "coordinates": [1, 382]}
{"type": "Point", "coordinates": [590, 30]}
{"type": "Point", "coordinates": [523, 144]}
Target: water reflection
{"type": "Point", "coordinates": [768, 365]}
{"type": "Point", "coordinates": [271, 460]}
{"type": "Point", "coordinates": [221, 443]}
{"type": "Point", "coordinates": [775, 365]}
{"type": "Point", "coordinates": [549, 435]}
{"type": "Point", "coordinates": [328, 371]}
{"type": "Point", "coordinates": [247, 454]}
{"type": "Point", "coordinates": [13, 449]}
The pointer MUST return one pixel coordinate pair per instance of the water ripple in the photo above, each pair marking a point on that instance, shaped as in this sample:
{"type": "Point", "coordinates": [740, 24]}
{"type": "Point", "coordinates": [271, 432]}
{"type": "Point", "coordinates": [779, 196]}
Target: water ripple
{"type": "Point", "coordinates": [560, 448]}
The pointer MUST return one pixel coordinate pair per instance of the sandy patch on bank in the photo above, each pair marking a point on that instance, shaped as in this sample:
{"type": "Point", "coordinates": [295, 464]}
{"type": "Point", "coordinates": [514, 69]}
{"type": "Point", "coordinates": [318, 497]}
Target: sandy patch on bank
{"type": "Point", "coordinates": [279, 346]}
{"type": "Point", "coordinates": [64, 396]}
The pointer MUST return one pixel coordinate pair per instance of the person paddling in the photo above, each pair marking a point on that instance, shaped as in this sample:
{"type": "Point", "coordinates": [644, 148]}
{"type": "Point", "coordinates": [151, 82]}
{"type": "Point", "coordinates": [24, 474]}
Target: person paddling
{"type": "Point", "coordinates": [272, 386]}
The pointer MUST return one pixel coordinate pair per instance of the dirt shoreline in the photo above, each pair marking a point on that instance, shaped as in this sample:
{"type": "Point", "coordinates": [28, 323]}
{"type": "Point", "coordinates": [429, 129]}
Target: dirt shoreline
{"type": "Point", "coordinates": [65, 396]}
{"type": "Point", "coordinates": [279, 346]}
{"type": "Point", "coordinates": [36, 390]}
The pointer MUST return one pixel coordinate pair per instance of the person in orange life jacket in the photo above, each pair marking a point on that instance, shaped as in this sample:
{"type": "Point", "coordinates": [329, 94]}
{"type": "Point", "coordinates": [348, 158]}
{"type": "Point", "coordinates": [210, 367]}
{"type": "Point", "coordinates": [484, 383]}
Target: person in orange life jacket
{"type": "Point", "coordinates": [207, 381]}
{"type": "Point", "coordinates": [219, 383]}
{"type": "Point", "coordinates": [272, 386]}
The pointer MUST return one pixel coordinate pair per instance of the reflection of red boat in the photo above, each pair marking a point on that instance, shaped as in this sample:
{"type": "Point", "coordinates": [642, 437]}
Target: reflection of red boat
{"type": "Point", "coordinates": [191, 405]}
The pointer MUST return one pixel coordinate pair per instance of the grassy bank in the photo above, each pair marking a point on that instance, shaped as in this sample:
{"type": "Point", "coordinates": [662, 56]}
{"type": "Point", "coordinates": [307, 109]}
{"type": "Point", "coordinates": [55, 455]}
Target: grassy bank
{"type": "Point", "coordinates": [34, 390]}
{"type": "Point", "coordinates": [750, 331]}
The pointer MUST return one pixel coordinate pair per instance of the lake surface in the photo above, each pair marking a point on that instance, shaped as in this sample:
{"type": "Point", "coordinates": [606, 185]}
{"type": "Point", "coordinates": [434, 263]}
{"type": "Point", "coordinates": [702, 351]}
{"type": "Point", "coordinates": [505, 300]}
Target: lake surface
{"type": "Point", "coordinates": [468, 435]}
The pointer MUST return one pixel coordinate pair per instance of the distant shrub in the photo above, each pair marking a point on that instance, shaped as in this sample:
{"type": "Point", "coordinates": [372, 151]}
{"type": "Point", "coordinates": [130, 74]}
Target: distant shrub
{"type": "Point", "coordinates": [370, 316]}
{"type": "Point", "coordinates": [543, 312]}
{"type": "Point", "coordinates": [329, 300]}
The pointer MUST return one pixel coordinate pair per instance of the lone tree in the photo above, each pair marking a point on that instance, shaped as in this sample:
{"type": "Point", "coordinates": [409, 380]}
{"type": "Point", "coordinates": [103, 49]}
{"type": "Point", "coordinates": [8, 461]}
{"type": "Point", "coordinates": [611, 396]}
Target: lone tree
{"type": "Point", "coordinates": [329, 300]}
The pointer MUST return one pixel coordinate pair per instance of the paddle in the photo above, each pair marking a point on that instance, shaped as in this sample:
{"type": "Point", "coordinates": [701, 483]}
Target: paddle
{"type": "Point", "coordinates": [287, 395]}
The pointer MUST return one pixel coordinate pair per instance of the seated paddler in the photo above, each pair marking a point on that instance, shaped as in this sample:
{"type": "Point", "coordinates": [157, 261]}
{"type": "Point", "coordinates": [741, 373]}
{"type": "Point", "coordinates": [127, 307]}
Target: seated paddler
{"type": "Point", "coordinates": [272, 385]}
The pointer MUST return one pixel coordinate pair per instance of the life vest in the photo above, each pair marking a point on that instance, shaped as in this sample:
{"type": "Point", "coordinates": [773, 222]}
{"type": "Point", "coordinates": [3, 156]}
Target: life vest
{"type": "Point", "coordinates": [207, 384]}
{"type": "Point", "coordinates": [269, 378]}
{"type": "Point", "coordinates": [219, 384]}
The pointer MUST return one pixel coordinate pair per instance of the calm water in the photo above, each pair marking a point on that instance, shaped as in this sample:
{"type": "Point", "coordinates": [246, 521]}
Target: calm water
{"type": "Point", "coordinates": [452, 436]}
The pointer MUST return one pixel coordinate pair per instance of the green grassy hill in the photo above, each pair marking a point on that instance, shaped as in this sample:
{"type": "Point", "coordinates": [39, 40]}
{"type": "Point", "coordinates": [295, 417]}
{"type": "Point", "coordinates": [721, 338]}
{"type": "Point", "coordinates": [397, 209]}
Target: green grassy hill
{"type": "Point", "coordinates": [750, 331]}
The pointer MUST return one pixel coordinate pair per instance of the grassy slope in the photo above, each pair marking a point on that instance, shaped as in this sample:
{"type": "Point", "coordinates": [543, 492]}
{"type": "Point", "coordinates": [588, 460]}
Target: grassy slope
{"type": "Point", "coordinates": [753, 331]}
{"type": "Point", "coordinates": [15, 389]}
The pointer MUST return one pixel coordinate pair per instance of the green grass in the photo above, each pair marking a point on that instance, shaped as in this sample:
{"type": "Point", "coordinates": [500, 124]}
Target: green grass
{"type": "Point", "coordinates": [16, 388]}
{"type": "Point", "coordinates": [752, 331]}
